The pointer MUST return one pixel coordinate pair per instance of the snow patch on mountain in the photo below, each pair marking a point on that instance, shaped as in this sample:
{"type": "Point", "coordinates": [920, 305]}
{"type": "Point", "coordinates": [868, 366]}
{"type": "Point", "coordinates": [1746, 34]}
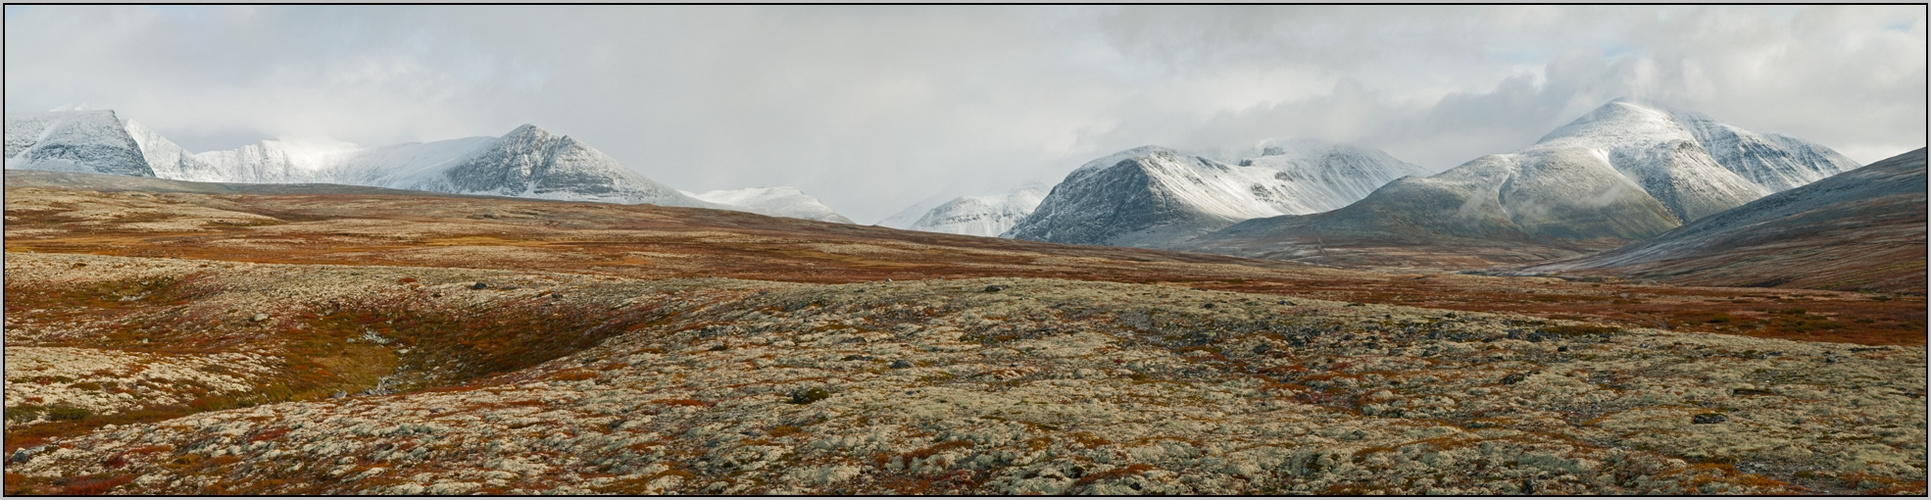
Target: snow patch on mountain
{"type": "Point", "coordinates": [780, 201]}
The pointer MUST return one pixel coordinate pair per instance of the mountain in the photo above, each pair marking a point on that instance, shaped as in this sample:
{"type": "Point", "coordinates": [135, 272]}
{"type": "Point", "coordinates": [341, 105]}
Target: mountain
{"type": "Point", "coordinates": [904, 219]}
{"type": "Point", "coordinates": [73, 141]}
{"type": "Point", "coordinates": [1152, 196]}
{"type": "Point", "coordinates": [167, 159]}
{"type": "Point", "coordinates": [782, 201]}
{"type": "Point", "coordinates": [986, 215]}
{"type": "Point", "coordinates": [1623, 172]}
{"type": "Point", "coordinates": [1863, 229]}
{"type": "Point", "coordinates": [1650, 147]}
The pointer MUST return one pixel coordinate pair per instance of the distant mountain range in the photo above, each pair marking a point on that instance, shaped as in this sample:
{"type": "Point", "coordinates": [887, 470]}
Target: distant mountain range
{"type": "Point", "coordinates": [528, 162]}
{"type": "Point", "coordinates": [1862, 229]}
{"type": "Point", "coordinates": [1624, 172]}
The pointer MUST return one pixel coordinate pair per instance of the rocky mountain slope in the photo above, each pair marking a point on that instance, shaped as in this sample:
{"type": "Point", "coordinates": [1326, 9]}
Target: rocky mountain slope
{"type": "Point", "coordinates": [782, 201]}
{"type": "Point", "coordinates": [986, 215]}
{"type": "Point", "coordinates": [1151, 196]}
{"type": "Point", "coordinates": [73, 141]}
{"type": "Point", "coordinates": [1624, 172]}
{"type": "Point", "coordinates": [1862, 229]}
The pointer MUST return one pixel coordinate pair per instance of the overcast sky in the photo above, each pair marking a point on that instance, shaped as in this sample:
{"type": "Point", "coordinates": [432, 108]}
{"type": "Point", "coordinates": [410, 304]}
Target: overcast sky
{"type": "Point", "coordinates": [872, 109]}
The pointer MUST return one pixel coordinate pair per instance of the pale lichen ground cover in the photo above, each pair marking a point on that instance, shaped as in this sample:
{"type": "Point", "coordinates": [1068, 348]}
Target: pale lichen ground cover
{"type": "Point", "coordinates": [1016, 386]}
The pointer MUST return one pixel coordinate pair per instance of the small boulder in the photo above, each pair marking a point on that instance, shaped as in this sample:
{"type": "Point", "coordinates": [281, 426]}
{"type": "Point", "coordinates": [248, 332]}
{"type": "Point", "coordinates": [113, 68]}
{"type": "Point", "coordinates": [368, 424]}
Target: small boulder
{"type": "Point", "coordinates": [901, 364]}
{"type": "Point", "coordinates": [994, 288]}
{"type": "Point", "coordinates": [1709, 418]}
{"type": "Point", "coordinates": [479, 286]}
{"type": "Point", "coordinates": [22, 455]}
{"type": "Point", "coordinates": [258, 318]}
{"type": "Point", "coordinates": [809, 396]}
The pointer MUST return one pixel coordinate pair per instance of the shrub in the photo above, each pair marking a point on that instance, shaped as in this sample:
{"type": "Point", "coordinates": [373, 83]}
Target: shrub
{"type": "Point", "coordinates": [68, 413]}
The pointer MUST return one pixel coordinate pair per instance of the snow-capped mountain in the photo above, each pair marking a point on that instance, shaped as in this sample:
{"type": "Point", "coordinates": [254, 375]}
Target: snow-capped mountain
{"type": "Point", "coordinates": [981, 215]}
{"type": "Point", "coordinates": [1654, 150]}
{"type": "Point", "coordinates": [1152, 196]}
{"type": "Point", "coordinates": [781, 201]}
{"type": "Point", "coordinates": [168, 160]}
{"type": "Point", "coordinates": [904, 219]}
{"type": "Point", "coordinates": [1689, 161]}
{"type": "Point", "coordinates": [1799, 237]}
{"type": "Point", "coordinates": [528, 162]}
{"type": "Point", "coordinates": [1624, 171]}
{"type": "Point", "coordinates": [90, 141]}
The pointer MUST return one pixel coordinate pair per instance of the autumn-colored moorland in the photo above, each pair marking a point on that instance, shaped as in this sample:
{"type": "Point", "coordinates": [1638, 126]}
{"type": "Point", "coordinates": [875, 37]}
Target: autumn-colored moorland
{"type": "Point", "coordinates": [651, 242]}
{"type": "Point", "coordinates": [182, 338]}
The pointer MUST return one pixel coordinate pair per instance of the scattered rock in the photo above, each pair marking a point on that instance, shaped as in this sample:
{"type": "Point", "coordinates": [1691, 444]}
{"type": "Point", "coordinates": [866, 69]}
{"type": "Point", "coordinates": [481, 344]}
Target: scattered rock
{"type": "Point", "coordinates": [901, 364]}
{"type": "Point", "coordinates": [479, 286]}
{"type": "Point", "coordinates": [1514, 378]}
{"type": "Point", "coordinates": [1709, 418]}
{"type": "Point", "coordinates": [1208, 305]}
{"type": "Point", "coordinates": [994, 288]}
{"type": "Point", "coordinates": [258, 318]}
